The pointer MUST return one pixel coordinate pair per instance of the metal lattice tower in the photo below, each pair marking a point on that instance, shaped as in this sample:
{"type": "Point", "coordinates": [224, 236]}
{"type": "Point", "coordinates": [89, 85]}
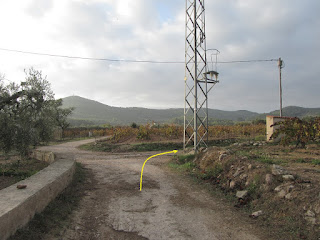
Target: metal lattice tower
{"type": "Point", "coordinates": [197, 77]}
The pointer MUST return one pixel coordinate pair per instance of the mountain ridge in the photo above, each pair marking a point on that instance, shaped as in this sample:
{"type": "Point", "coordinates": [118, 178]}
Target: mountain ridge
{"type": "Point", "coordinates": [91, 112]}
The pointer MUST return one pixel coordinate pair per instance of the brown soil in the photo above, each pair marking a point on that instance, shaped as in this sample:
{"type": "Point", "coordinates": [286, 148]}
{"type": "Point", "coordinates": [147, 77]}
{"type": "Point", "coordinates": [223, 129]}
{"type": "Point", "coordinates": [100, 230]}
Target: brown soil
{"type": "Point", "coordinates": [170, 206]}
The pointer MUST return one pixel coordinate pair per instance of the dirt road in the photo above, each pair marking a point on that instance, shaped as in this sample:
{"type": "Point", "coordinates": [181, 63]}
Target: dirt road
{"type": "Point", "coordinates": [168, 207]}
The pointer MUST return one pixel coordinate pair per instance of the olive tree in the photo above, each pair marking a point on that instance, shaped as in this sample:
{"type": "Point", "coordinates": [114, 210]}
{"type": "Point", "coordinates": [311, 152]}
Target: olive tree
{"type": "Point", "coordinates": [29, 113]}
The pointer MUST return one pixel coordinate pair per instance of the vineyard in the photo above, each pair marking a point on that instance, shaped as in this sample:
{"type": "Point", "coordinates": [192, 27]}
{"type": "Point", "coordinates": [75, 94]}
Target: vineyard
{"type": "Point", "coordinates": [165, 132]}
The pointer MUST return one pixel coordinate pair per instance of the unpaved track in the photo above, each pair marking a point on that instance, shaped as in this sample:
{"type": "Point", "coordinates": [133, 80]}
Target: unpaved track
{"type": "Point", "coordinates": [168, 207]}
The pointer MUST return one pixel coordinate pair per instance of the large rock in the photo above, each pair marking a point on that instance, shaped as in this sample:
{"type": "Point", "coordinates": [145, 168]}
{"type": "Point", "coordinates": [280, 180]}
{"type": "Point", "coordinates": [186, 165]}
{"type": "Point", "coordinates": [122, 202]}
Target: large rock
{"type": "Point", "coordinates": [232, 184]}
{"type": "Point", "coordinates": [288, 177]}
{"type": "Point", "coordinates": [222, 156]}
{"type": "Point", "coordinates": [278, 170]}
{"type": "Point", "coordinates": [310, 217]}
{"type": "Point", "coordinates": [256, 214]}
{"type": "Point", "coordinates": [282, 193]}
{"type": "Point", "coordinates": [238, 172]}
{"type": "Point", "coordinates": [269, 179]}
{"type": "Point", "coordinates": [242, 194]}
{"type": "Point", "coordinates": [243, 176]}
{"type": "Point", "coordinates": [288, 196]}
{"type": "Point", "coordinates": [284, 189]}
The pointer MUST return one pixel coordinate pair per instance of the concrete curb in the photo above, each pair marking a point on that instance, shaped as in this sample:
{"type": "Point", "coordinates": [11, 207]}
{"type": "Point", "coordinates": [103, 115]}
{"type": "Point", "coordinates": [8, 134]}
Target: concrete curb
{"type": "Point", "coordinates": [18, 206]}
{"type": "Point", "coordinates": [48, 157]}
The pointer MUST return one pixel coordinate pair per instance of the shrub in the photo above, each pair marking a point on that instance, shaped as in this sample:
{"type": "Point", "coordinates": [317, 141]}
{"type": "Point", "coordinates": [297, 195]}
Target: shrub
{"type": "Point", "coordinates": [297, 131]}
{"type": "Point", "coordinates": [143, 133]}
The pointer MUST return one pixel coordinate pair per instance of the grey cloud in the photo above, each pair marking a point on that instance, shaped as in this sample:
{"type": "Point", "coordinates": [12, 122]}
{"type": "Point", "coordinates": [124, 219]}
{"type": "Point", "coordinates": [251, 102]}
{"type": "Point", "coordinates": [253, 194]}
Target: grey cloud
{"type": "Point", "coordinates": [38, 8]}
{"type": "Point", "coordinates": [241, 30]}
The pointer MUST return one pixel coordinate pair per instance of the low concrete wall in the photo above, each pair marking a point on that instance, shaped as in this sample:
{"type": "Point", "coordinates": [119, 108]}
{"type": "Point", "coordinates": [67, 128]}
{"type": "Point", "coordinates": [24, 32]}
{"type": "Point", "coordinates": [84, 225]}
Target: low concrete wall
{"type": "Point", "coordinates": [18, 206]}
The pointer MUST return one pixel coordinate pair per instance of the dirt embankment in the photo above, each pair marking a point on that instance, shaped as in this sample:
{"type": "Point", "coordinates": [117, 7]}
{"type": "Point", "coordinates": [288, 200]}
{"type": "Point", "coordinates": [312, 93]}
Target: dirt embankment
{"type": "Point", "coordinates": [279, 186]}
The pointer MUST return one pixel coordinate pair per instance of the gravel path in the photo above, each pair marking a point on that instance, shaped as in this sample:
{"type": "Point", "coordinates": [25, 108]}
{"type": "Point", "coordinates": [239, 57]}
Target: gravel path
{"type": "Point", "coordinates": [169, 206]}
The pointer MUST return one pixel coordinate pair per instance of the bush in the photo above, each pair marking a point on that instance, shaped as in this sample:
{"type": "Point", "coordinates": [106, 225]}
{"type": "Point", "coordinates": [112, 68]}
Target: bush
{"type": "Point", "coordinates": [143, 133]}
{"type": "Point", "coordinates": [297, 131]}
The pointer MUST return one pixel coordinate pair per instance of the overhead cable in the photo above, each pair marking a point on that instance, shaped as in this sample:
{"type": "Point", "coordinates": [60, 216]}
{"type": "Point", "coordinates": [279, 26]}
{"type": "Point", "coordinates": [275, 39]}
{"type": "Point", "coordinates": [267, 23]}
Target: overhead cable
{"type": "Point", "coordinates": [125, 60]}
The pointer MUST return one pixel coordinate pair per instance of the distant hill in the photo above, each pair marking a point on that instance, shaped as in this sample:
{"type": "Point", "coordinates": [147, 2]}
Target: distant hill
{"type": "Point", "coordinates": [293, 111]}
{"type": "Point", "coordinates": [89, 112]}
{"type": "Point", "coordinates": [300, 112]}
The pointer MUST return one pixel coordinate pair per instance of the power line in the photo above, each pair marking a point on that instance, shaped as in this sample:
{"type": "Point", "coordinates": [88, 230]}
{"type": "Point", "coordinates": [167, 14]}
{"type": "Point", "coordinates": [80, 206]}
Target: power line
{"type": "Point", "coordinates": [125, 60]}
{"type": "Point", "coordinates": [250, 61]}
{"type": "Point", "coordinates": [87, 58]}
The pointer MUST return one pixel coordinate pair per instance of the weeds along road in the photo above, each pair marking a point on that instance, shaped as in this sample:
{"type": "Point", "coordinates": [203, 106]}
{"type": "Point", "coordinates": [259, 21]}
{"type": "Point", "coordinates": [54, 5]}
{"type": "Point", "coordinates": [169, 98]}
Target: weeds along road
{"type": "Point", "coordinates": [169, 206]}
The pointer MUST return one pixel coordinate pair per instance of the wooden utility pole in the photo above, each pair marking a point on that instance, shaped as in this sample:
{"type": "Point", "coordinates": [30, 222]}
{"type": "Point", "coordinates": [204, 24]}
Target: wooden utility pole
{"type": "Point", "coordinates": [280, 65]}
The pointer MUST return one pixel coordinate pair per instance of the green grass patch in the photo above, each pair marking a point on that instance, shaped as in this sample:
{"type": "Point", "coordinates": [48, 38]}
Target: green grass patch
{"type": "Point", "coordinates": [316, 162]}
{"type": "Point", "coordinates": [258, 156]}
{"type": "Point", "coordinates": [212, 172]}
{"type": "Point", "coordinates": [104, 146]}
{"type": "Point", "coordinates": [266, 160]}
{"type": "Point", "coordinates": [181, 159]}
{"type": "Point", "coordinates": [183, 163]}
{"type": "Point", "coordinates": [143, 147]}
{"type": "Point", "coordinates": [186, 167]}
{"type": "Point", "coordinates": [56, 214]}
{"type": "Point", "coordinates": [301, 160]}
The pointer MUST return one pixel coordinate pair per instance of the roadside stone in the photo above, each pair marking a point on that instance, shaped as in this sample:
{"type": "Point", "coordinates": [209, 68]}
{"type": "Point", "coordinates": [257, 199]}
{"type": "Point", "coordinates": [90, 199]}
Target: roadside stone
{"type": "Point", "coordinates": [222, 156]}
{"type": "Point", "coordinates": [243, 176]}
{"type": "Point", "coordinates": [242, 194]}
{"type": "Point", "coordinates": [269, 179]}
{"type": "Point", "coordinates": [237, 173]}
{"type": "Point", "coordinates": [278, 188]}
{"type": "Point", "coordinates": [288, 177]}
{"type": "Point", "coordinates": [310, 216]}
{"type": "Point", "coordinates": [289, 188]}
{"type": "Point", "coordinates": [311, 220]}
{"type": "Point", "coordinates": [285, 187]}
{"type": "Point", "coordinates": [249, 166]}
{"type": "Point", "coordinates": [310, 213]}
{"type": "Point", "coordinates": [256, 144]}
{"type": "Point", "coordinates": [288, 196]}
{"type": "Point", "coordinates": [232, 184]}
{"type": "Point", "coordinates": [282, 193]}
{"type": "Point", "coordinates": [278, 170]}
{"type": "Point", "coordinates": [256, 214]}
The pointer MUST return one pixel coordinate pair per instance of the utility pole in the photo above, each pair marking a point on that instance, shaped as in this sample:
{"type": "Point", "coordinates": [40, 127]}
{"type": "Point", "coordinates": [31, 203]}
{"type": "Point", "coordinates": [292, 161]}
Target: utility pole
{"type": "Point", "coordinates": [280, 65]}
{"type": "Point", "coordinates": [197, 77]}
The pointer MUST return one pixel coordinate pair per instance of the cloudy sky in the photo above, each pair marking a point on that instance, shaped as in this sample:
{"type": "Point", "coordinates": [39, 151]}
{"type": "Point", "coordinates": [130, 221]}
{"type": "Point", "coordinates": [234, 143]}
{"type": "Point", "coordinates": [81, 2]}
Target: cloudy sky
{"type": "Point", "coordinates": [154, 30]}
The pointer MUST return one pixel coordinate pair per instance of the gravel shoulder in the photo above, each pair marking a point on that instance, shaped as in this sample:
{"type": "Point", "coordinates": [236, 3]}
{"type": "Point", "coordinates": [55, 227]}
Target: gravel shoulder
{"type": "Point", "coordinates": [170, 206]}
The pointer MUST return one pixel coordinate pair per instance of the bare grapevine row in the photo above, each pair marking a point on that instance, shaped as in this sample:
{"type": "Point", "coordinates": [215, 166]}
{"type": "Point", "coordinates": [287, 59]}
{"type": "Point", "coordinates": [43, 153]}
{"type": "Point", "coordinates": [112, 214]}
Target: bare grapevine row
{"type": "Point", "coordinates": [145, 132]}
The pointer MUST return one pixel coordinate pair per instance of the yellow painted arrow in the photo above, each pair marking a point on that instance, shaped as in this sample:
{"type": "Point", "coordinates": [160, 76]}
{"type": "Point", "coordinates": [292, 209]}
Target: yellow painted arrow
{"type": "Point", "coordinates": [174, 151]}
